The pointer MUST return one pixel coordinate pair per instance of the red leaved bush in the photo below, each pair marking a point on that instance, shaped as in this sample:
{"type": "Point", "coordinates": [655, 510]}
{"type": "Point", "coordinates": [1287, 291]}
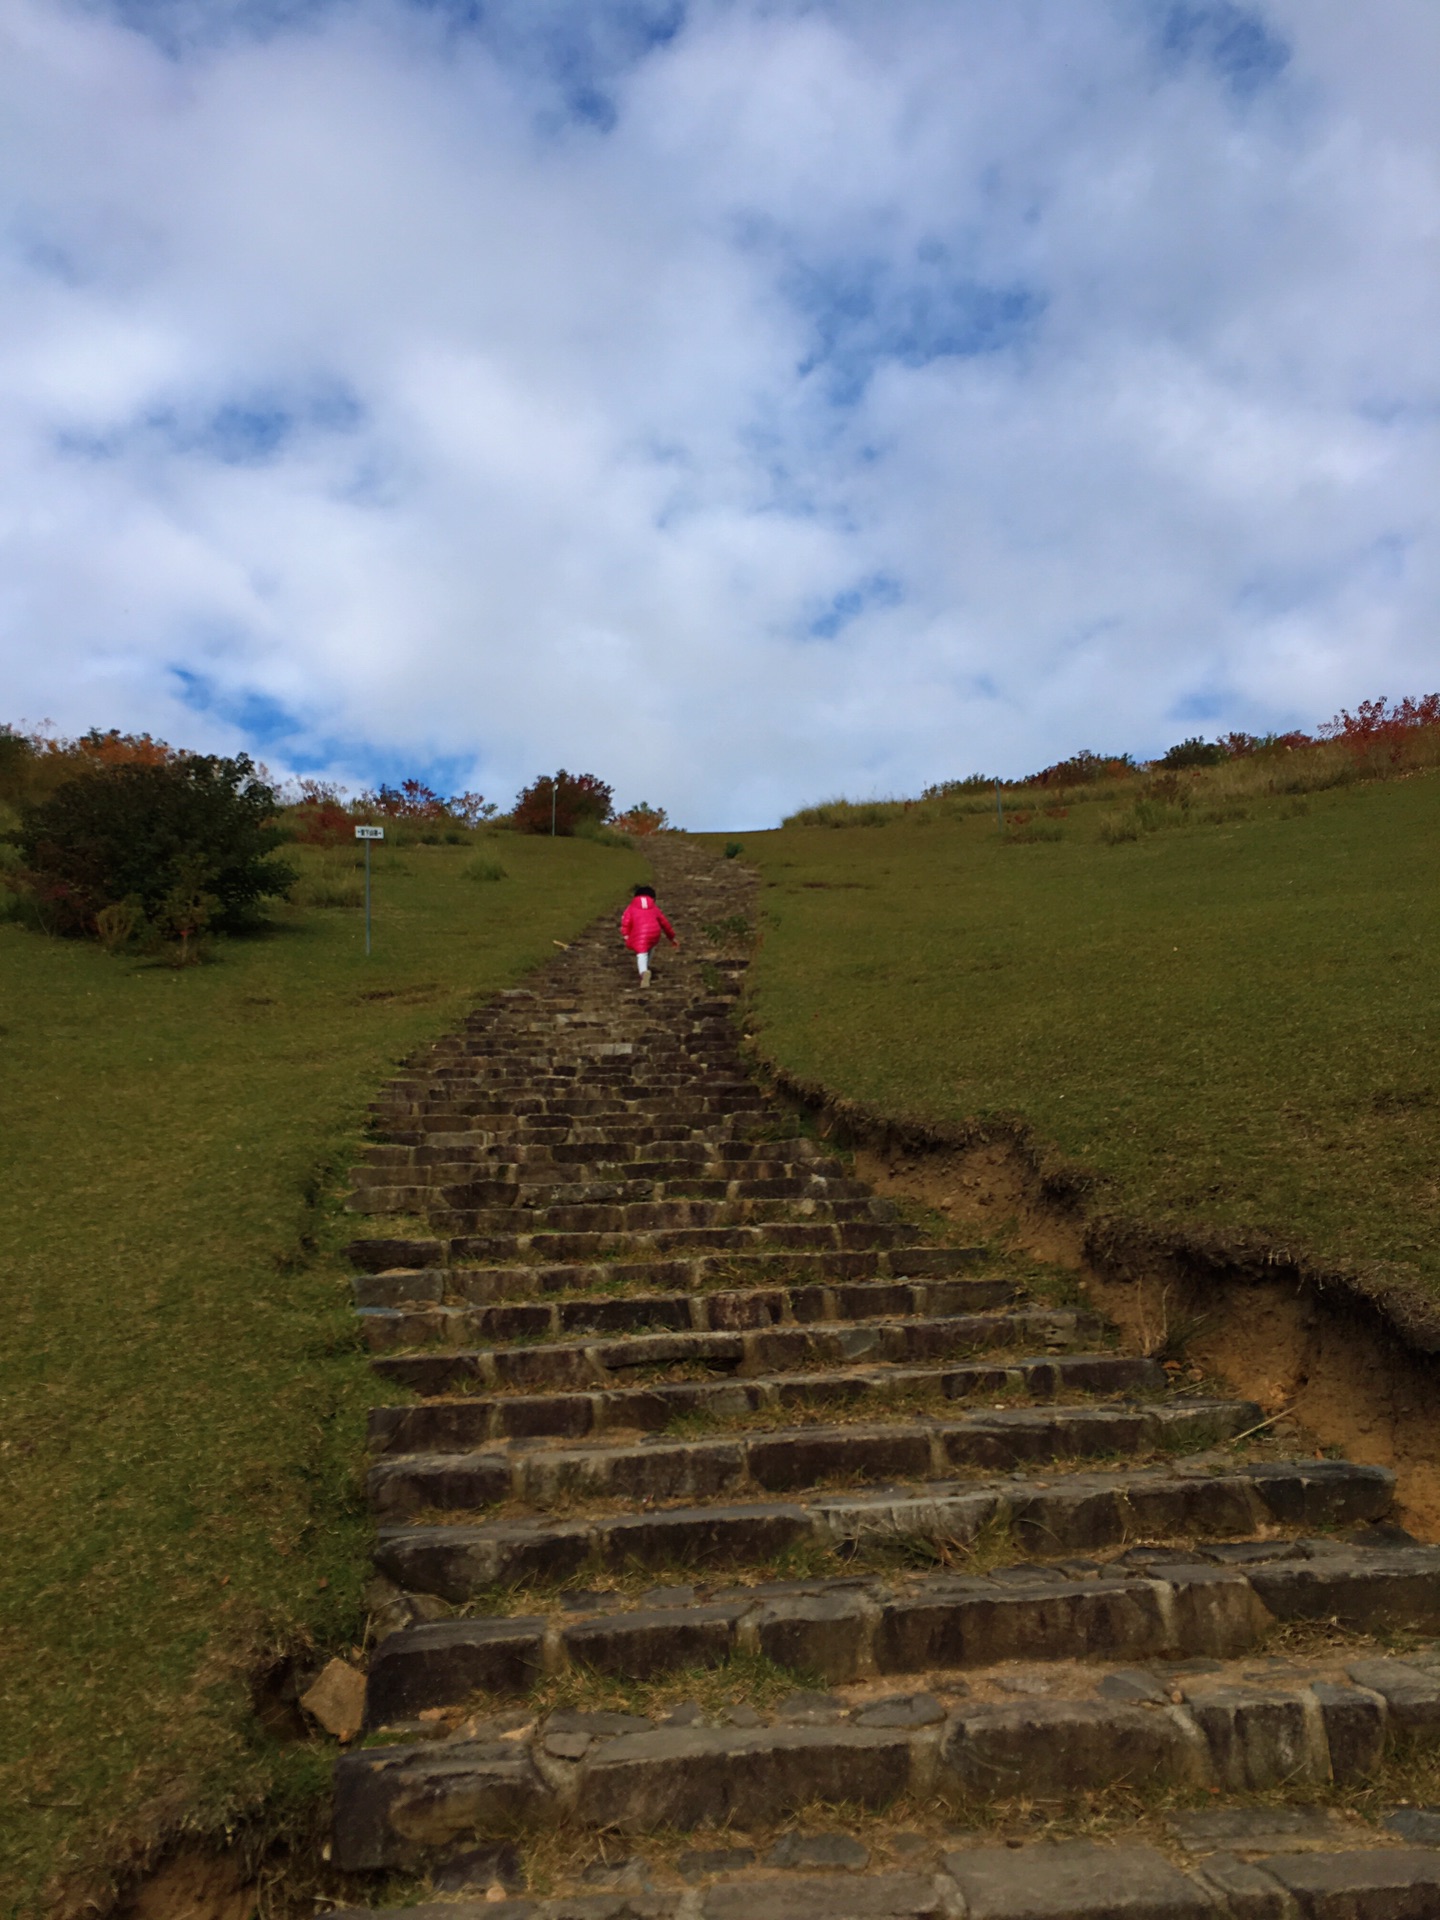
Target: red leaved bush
{"type": "Point", "coordinates": [1376, 725]}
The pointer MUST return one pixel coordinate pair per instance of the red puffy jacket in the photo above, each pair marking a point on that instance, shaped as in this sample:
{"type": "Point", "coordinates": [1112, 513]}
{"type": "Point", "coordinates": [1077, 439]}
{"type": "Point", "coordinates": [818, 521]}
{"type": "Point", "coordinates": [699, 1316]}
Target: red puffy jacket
{"type": "Point", "coordinates": [642, 924]}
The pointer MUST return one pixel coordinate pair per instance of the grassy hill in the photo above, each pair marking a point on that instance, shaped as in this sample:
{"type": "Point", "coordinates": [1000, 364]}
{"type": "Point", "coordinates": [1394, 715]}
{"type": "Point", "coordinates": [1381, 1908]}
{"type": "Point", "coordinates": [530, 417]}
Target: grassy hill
{"type": "Point", "coordinates": [1233, 1022]}
{"type": "Point", "coordinates": [182, 1395]}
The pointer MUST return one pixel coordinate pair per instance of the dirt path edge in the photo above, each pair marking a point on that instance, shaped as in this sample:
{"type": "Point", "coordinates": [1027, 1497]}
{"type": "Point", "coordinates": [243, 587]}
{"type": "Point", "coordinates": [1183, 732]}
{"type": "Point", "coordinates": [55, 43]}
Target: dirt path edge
{"type": "Point", "coordinates": [1352, 1357]}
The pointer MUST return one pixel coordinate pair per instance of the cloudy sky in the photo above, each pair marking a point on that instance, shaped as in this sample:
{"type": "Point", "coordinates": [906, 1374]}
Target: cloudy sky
{"type": "Point", "coordinates": [746, 400]}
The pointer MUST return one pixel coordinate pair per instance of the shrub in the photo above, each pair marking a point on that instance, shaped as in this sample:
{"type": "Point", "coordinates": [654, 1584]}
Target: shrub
{"type": "Point", "coordinates": [960, 789]}
{"type": "Point", "coordinates": [565, 800]}
{"type": "Point", "coordinates": [480, 869]}
{"type": "Point", "coordinates": [185, 841]}
{"type": "Point", "coordinates": [1377, 728]}
{"type": "Point", "coordinates": [1083, 769]}
{"type": "Point", "coordinates": [642, 819]}
{"type": "Point", "coordinates": [1194, 752]}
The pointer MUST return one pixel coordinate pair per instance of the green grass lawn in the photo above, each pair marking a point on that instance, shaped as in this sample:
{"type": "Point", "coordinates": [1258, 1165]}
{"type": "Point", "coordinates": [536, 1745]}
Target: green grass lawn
{"type": "Point", "coordinates": [1235, 1024]}
{"type": "Point", "coordinates": [182, 1431]}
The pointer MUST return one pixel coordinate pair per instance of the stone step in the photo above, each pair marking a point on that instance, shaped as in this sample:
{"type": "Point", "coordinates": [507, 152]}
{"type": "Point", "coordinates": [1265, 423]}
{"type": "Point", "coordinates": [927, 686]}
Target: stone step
{"type": "Point", "coordinates": [537, 1190]}
{"type": "Point", "coordinates": [1071, 1512]}
{"type": "Point", "coordinates": [1226, 1730]}
{"type": "Point", "coordinates": [559, 1165]}
{"type": "Point", "coordinates": [487, 1286]}
{"type": "Point", "coordinates": [738, 1466]}
{"type": "Point", "coordinates": [470, 1420]}
{"type": "Point", "coordinates": [1065, 1880]}
{"type": "Point", "coordinates": [844, 1236]}
{"type": "Point", "coordinates": [599, 1108]}
{"type": "Point", "coordinates": [564, 1365]}
{"type": "Point", "coordinates": [723, 1155]}
{"type": "Point", "coordinates": [846, 1631]}
{"type": "Point", "coordinates": [713, 1310]}
{"type": "Point", "coordinates": [454, 1216]}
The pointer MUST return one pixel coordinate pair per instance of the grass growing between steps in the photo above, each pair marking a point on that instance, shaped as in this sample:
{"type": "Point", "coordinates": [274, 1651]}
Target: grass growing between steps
{"type": "Point", "coordinates": [1234, 1025]}
{"type": "Point", "coordinates": [183, 1393]}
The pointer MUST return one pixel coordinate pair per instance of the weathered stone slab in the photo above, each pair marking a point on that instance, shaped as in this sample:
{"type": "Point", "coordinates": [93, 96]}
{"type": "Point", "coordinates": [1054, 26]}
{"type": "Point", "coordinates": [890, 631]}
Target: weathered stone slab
{"type": "Point", "coordinates": [1411, 1696]}
{"type": "Point", "coordinates": [687, 1778]}
{"type": "Point", "coordinates": [1401, 1883]}
{"type": "Point", "coordinates": [824, 1633]}
{"type": "Point", "coordinates": [658, 1640]}
{"type": "Point", "coordinates": [828, 1897]}
{"type": "Point", "coordinates": [396, 1806]}
{"type": "Point", "coordinates": [1075, 1881]}
{"type": "Point", "coordinates": [1355, 1725]}
{"type": "Point", "coordinates": [1379, 1589]}
{"type": "Point", "coordinates": [1043, 1748]}
{"type": "Point", "coordinates": [1260, 1739]}
{"type": "Point", "coordinates": [446, 1661]}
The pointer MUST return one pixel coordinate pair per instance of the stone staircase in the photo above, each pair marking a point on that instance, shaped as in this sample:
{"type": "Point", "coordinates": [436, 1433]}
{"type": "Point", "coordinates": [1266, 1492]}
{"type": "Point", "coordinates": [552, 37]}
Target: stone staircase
{"type": "Point", "coordinates": [744, 1555]}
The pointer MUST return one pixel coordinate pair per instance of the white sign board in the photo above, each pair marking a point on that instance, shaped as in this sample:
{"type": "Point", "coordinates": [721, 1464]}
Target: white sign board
{"type": "Point", "coordinates": [369, 833]}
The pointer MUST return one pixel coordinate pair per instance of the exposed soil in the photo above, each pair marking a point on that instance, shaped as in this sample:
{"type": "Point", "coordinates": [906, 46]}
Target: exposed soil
{"type": "Point", "coordinates": [192, 1886]}
{"type": "Point", "coordinates": [988, 1190]}
{"type": "Point", "coordinates": [1350, 1380]}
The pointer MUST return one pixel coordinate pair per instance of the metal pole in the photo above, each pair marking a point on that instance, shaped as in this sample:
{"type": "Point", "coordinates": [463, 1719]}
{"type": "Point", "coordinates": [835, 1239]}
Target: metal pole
{"type": "Point", "coordinates": [367, 897]}
{"type": "Point", "coordinates": [999, 807]}
{"type": "Point", "coordinates": [554, 795]}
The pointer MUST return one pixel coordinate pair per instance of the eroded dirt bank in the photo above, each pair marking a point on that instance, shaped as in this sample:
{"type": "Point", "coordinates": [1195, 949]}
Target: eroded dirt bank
{"type": "Point", "coordinates": [1327, 1365]}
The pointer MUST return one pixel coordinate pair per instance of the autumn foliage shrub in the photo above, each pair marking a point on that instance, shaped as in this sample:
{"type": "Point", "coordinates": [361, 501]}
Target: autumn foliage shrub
{"type": "Point", "coordinates": [1378, 729]}
{"type": "Point", "coordinates": [181, 846]}
{"type": "Point", "coordinates": [641, 819]}
{"type": "Point", "coordinates": [564, 800]}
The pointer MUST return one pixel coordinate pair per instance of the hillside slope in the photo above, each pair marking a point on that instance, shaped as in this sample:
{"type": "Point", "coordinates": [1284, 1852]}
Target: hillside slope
{"type": "Point", "coordinates": [1233, 1025]}
{"type": "Point", "coordinates": [183, 1404]}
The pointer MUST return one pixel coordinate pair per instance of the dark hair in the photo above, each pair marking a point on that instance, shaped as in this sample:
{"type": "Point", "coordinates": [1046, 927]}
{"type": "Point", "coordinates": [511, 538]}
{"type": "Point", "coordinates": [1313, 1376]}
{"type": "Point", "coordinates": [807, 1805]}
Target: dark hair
{"type": "Point", "coordinates": [635, 892]}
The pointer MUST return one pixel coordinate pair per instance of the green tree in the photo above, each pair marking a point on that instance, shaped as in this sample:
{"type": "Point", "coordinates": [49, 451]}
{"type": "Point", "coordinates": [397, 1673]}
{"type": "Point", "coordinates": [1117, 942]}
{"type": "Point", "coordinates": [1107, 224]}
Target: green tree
{"type": "Point", "coordinates": [195, 832]}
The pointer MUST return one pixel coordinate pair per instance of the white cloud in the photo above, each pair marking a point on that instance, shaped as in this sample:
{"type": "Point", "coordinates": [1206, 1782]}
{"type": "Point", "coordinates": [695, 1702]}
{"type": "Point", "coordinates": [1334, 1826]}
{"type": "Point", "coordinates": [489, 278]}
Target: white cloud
{"type": "Point", "coordinates": [746, 404]}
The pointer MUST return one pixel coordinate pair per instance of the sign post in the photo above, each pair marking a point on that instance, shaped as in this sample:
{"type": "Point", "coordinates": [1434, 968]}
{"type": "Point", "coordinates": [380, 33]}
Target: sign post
{"type": "Point", "coordinates": [367, 834]}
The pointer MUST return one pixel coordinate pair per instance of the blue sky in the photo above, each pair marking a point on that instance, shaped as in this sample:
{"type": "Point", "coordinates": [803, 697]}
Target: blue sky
{"type": "Point", "coordinates": [747, 400]}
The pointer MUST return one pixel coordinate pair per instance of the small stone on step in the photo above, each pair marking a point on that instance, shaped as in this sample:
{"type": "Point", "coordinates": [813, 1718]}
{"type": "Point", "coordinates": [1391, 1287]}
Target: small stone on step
{"type": "Point", "coordinates": [685, 1715]}
{"type": "Point", "coordinates": [567, 1746]}
{"type": "Point", "coordinates": [902, 1710]}
{"type": "Point", "coordinates": [620, 1876]}
{"type": "Point", "coordinates": [701, 1861]}
{"type": "Point", "coordinates": [601, 1726]}
{"type": "Point", "coordinates": [337, 1699]}
{"type": "Point", "coordinates": [1257, 1829]}
{"type": "Point", "coordinates": [1132, 1685]}
{"type": "Point", "coordinates": [742, 1714]}
{"type": "Point", "coordinates": [817, 1850]}
{"type": "Point", "coordinates": [1033, 1685]}
{"type": "Point", "coordinates": [1419, 1825]}
{"type": "Point", "coordinates": [811, 1709]}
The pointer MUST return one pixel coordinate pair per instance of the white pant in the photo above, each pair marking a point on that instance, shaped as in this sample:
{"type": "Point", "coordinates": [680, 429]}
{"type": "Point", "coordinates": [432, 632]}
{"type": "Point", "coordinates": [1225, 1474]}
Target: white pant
{"type": "Point", "coordinates": [642, 961]}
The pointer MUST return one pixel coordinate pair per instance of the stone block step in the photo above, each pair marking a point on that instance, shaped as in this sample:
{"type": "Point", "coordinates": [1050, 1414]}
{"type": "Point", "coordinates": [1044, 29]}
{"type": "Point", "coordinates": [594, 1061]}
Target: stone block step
{"type": "Point", "coordinates": [844, 1631]}
{"type": "Point", "coordinates": [623, 1773]}
{"type": "Point", "coordinates": [1068, 1880]}
{"type": "Point", "coordinates": [565, 1365]}
{"type": "Point", "coordinates": [845, 1236]}
{"type": "Point", "coordinates": [594, 1159]}
{"type": "Point", "coordinates": [628, 1217]}
{"type": "Point", "coordinates": [469, 1421]}
{"type": "Point", "coordinates": [500, 1197]}
{"type": "Point", "coordinates": [491, 1179]}
{"type": "Point", "coordinates": [714, 1310]}
{"type": "Point", "coordinates": [736, 1466]}
{"type": "Point", "coordinates": [399, 1283]}
{"type": "Point", "coordinates": [1069, 1513]}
